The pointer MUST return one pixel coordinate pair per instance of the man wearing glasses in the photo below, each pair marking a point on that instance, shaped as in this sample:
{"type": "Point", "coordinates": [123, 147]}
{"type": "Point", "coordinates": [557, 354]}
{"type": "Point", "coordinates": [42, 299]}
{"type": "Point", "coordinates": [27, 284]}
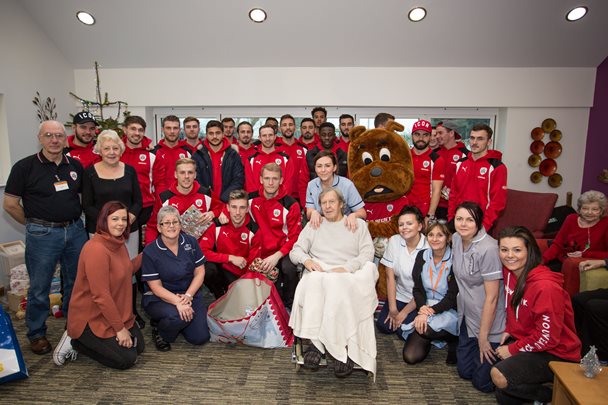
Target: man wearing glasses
{"type": "Point", "coordinates": [42, 194]}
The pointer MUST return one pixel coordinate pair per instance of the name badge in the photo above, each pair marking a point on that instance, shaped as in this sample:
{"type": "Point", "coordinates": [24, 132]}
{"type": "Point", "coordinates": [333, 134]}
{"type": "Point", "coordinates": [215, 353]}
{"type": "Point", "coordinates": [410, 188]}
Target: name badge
{"type": "Point", "coordinates": [61, 186]}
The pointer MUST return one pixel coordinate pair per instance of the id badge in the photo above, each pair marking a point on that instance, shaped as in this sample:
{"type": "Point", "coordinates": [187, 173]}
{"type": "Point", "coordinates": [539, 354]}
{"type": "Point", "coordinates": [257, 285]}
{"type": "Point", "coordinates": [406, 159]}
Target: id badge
{"type": "Point", "coordinates": [61, 186]}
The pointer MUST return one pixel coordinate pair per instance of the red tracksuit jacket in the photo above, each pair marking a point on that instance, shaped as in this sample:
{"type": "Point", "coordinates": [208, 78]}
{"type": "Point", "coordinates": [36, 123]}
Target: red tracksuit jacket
{"type": "Point", "coordinates": [279, 220]}
{"type": "Point", "coordinates": [84, 155]}
{"type": "Point", "coordinates": [483, 181]}
{"type": "Point", "coordinates": [451, 157]}
{"type": "Point", "coordinates": [221, 241]}
{"type": "Point", "coordinates": [200, 196]}
{"type": "Point", "coordinates": [164, 167]}
{"type": "Point", "coordinates": [259, 159]}
{"type": "Point", "coordinates": [543, 320]}
{"type": "Point", "coordinates": [142, 160]}
{"type": "Point", "coordinates": [297, 155]}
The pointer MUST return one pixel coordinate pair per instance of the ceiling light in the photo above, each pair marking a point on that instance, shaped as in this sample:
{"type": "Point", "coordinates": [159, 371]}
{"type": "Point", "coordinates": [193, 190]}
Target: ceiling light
{"type": "Point", "coordinates": [576, 13]}
{"type": "Point", "coordinates": [85, 18]}
{"type": "Point", "coordinates": [257, 15]}
{"type": "Point", "coordinates": [416, 14]}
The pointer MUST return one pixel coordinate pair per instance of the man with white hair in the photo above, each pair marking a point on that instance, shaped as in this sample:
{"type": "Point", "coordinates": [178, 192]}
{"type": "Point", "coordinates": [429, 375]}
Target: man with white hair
{"type": "Point", "coordinates": [42, 193]}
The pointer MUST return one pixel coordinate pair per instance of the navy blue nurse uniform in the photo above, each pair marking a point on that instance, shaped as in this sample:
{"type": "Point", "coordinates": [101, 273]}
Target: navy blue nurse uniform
{"type": "Point", "coordinates": [176, 273]}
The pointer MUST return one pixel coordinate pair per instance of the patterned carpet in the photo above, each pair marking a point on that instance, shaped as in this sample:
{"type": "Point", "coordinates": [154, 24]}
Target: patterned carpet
{"type": "Point", "coordinates": [216, 373]}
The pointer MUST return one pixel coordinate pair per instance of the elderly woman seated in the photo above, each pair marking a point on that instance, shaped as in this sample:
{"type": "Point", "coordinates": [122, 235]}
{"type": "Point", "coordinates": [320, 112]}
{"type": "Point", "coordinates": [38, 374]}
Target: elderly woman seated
{"type": "Point", "coordinates": [335, 300]}
{"type": "Point", "coordinates": [173, 267]}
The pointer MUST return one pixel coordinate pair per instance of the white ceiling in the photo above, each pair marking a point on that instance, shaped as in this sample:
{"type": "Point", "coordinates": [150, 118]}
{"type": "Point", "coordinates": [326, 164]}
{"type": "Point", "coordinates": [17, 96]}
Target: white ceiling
{"type": "Point", "coordinates": [325, 33]}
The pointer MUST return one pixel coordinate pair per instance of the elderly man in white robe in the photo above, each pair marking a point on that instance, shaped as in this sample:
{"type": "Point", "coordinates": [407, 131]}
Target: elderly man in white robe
{"type": "Point", "coordinates": [335, 300]}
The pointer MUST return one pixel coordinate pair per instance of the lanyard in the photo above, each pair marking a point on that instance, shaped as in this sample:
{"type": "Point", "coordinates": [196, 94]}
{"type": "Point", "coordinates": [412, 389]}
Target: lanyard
{"type": "Point", "coordinates": [434, 287]}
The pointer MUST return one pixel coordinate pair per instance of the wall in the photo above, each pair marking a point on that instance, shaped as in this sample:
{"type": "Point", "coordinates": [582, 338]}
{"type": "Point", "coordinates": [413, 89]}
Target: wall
{"type": "Point", "coordinates": [29, 63]}
{"type": "Point", "coordinates": [597, 137]}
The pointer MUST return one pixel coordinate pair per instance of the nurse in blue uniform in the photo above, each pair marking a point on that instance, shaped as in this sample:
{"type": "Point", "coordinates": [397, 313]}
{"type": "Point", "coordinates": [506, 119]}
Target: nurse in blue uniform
{"type": "Point", "coordinates": [173, 268]}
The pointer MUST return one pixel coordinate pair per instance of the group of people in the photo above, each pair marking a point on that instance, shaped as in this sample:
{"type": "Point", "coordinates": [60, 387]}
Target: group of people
{"type": "Point", "coordinates": [190, 212]}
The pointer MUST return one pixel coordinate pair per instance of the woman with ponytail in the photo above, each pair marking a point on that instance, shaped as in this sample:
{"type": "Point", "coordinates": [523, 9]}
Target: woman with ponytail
{"type": "Point", "coordinates": [540, 322]}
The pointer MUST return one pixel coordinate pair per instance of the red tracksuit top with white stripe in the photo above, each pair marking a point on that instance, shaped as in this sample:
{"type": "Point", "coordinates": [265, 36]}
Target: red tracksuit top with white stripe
{"type": "Point", "coordinates": [84, 154]}
{"type": "Point", "coordinates": [142, 161]}
{"type": "Point", "coordinates": [451, 157]}
{"type": "Point", "coordinates": [544, 319]}
{"type": "Point", "coordinates": [261, 158]}
{"type": "Point", "coordinates": [199, 196]}
{"type": "Point", "coordinates": [164, 167]}
{"type": "Point", "coordinates": [483, 181]}
{"type": "Point", "coordinates": [220, 241]}
{"type": "Point", "coordinates": [279, 220]}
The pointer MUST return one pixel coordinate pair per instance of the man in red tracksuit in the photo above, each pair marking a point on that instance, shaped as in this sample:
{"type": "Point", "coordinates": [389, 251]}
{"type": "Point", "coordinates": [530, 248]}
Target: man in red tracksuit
{"type": "Point", "coordinates": [168, 151]}
{"type": "Point", "coordinates": [308, 138]}
{"type": "Point", "coordinates": [80, 145]}
{"type": "Point", "coordinates": [451, 150]}
{"type": "Point", "coordinates": [296, 152]}
{"type": "Point", "coordinates": [192, 130]}
{"type": "Point", "coordinates": [267, 152]}
{"type": "Point", "coordinates": [184, 193]}
{"type": "Point", "coordinates": [347, 122]}
{"type": "Point", "coordinates": [230, 248]}
{"type": "Point", "coordinates": [278, 216]}
{"type": "Point", "coordinates": [244, 136]}
{"type": "Point", "coordinates": [429, 170]}
{"type": "Point", "coordinates": [480, 177]}
{"type": "Point", "coordinates": [138, 155]}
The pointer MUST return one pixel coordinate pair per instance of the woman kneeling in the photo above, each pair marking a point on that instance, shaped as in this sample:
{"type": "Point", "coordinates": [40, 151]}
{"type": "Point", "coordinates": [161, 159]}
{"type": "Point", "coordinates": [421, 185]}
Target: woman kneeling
{"type": "Point", "coordinates": [335, 300]}
{"type": "Point", "coordinates": [540, 322]}
{"type": "Point", "coordinates": [173, 267]}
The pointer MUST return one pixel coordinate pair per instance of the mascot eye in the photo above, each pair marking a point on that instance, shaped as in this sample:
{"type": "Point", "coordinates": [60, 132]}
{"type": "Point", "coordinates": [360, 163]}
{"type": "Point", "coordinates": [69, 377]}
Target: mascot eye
{"type": "Point", "coordinates": [367, 158]}
{"type": "Point", "coordinates": [385, 154]}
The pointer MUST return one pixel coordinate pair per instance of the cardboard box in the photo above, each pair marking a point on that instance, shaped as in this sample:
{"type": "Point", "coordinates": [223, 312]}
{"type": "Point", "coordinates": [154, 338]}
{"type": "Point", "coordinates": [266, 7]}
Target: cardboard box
{"type": "Point", "coordinates": [11, 254]}
{"type": "Point", "coordinates": [14, 301]}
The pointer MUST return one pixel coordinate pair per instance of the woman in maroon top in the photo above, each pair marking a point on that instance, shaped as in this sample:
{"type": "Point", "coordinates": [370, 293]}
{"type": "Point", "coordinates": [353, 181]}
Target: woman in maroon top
{"type": "Point", "coordinates": [101, 323]}
{"type": "Point", "coordinates": [584, 234]}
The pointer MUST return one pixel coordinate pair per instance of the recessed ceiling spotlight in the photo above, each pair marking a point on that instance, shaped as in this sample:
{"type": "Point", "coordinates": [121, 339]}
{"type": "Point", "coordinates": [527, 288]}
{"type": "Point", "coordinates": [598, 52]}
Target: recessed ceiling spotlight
{"type": "Point", "coordinates": [416, 14]}
{"type": "Point", "coordinates": [576, 13]}
{"type": "Point", "coordinates": [85, 18]}
{"type": "Point", "coordinates": [257, 15]}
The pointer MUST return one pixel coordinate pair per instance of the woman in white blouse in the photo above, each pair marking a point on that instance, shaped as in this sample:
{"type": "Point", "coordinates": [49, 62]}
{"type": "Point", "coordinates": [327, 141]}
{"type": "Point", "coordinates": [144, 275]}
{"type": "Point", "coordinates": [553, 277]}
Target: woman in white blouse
{"type": "Point", "coordinates": [399, 259]}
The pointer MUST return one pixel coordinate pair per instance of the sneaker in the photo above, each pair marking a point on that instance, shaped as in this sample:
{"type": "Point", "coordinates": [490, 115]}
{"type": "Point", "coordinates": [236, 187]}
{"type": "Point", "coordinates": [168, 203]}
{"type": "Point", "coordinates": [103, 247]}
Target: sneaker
{"type": "Point", "coordinates": [161, 344]}
{"type": "Point", "coordinates": [64, 350]}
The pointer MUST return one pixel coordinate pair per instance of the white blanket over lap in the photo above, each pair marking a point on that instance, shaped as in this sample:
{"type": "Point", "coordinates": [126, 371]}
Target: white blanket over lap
{"type": "Point", "coordinates": [336, 312]}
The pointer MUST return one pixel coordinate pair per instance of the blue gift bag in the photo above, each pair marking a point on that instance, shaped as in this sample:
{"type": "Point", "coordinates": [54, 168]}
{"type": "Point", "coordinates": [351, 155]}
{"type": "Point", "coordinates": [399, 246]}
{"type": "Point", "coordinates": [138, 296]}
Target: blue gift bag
{"type": "Point", "coordinates": [12, 366]}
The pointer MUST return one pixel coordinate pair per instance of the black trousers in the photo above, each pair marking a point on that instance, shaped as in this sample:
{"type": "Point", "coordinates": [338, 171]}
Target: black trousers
{"type": "Point", "coordinates": [217, 278]}
{"type": "Point", "coordinates": [591, 320]}
{"type": "Point", "coordinates": [526, 374]}
{"type": "Point", "coordinates": [107, 351]}
{"type": "Point", "coordinates": [288, 280]}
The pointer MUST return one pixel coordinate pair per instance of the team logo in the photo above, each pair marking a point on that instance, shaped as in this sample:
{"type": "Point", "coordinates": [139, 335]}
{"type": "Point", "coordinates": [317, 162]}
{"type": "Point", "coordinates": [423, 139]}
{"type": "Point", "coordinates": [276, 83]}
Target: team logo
{"type": "Point", "coordinates": [390, 207]}
{"type": "Point", "coordinates": [74, 175]}
{"type": "Point", "coordinates": [198, 202]}
{"type": "Point", "coordinates": [244, 236]}
{"type": "Point", "coordinates": [299, 152]}
{"type": "Point", "coordinates": [277, 161]}
{"type": "Point", "coordinates": [142, 157]}
{"type": "Point", "coordinates": [182, 156]}
{"type": "Point", "coordinates": [276, 212]}
{"type": "Point", "coordinates": [455, 158]}
{"type": "Point", "coordinates": [426, 163]}
{"type": "Point", "coordinates": [483, 170]}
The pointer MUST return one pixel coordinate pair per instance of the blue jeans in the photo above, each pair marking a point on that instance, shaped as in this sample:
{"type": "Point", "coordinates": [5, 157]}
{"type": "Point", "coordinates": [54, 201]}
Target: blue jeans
{"type": "Point", "coordinates": [44, 247]}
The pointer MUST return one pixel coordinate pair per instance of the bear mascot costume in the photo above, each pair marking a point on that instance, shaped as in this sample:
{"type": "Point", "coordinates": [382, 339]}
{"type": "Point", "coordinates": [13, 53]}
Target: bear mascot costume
{"type": "Point", "coordinates": [380, 166]}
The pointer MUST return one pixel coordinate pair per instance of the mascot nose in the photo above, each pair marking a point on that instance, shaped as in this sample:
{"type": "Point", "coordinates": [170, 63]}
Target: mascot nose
{"type": "Point", "coordinates": [376, 172]}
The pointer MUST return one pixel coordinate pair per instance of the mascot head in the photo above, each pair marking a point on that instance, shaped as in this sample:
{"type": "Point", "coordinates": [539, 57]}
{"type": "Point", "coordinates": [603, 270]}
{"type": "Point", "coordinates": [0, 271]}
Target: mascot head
{"type": "Point", "coordinates": [380, 163]}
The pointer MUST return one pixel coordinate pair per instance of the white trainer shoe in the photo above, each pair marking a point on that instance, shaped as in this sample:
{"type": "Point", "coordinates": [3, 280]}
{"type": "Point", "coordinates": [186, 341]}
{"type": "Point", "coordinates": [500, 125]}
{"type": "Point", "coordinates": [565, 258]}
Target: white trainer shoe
{"type": "Point", "coordinates": [64, 350]}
